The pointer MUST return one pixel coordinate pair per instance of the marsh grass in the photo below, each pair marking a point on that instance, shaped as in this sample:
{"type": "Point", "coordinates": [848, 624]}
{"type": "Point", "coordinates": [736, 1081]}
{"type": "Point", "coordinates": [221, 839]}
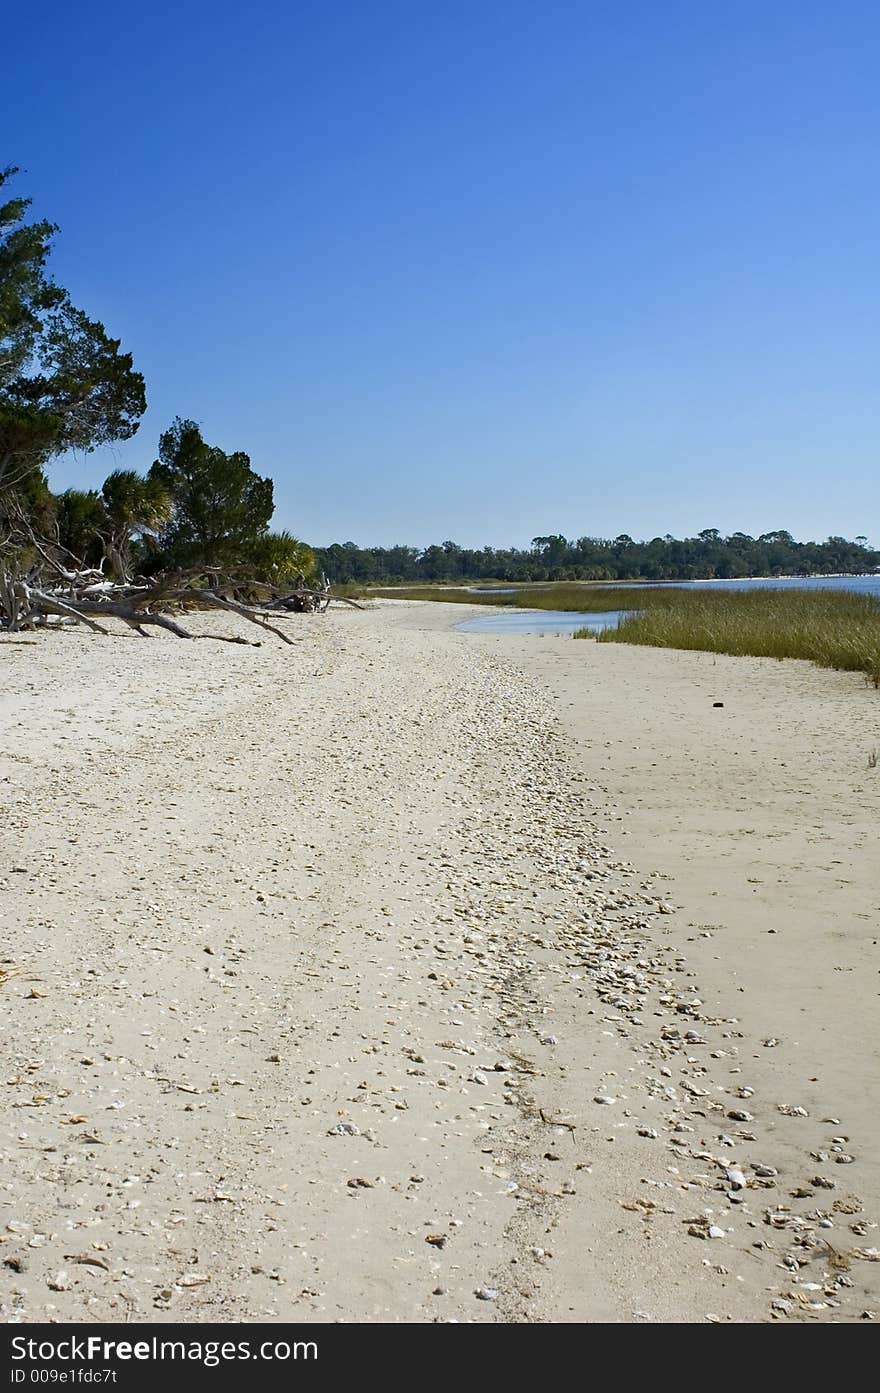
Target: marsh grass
{"type": "Point", "coordinates": [447, 594]}
{"type": "Point", "coordinates": [586, 599]}
{"type": "Point", "coordinates": [350, 590]}
{"type": "Point", "coordinates": [832, 628]}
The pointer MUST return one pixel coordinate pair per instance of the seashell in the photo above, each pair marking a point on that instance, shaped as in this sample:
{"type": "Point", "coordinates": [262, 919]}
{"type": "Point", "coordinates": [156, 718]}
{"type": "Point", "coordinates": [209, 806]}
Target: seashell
{"type": "Point", "coordinates": [850, 1204]}
{"type": "Point", "coordinates": [736, 1178]}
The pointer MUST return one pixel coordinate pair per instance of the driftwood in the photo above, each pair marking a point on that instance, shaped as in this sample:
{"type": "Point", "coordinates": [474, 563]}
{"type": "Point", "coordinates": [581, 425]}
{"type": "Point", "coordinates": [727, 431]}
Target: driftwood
{"type": "Point", "coordinates": [84, 595]}
{"type": "Point", "coordinates": [53, 583]}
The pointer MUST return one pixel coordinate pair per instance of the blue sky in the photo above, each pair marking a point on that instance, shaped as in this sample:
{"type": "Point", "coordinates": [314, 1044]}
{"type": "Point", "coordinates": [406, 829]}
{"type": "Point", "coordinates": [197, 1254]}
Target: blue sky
{"type": "Point", "coordinates": [479, 270]}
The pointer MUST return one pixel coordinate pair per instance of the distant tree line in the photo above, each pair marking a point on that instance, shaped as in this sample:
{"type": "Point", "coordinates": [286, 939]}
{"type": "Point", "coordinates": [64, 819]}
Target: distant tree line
{"type": "Point", "coordinates": [707, 556]}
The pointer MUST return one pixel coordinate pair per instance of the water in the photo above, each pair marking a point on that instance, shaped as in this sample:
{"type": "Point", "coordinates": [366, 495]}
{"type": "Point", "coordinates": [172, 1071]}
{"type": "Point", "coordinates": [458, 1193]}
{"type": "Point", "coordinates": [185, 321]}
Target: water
{"type": "Point", "coordinates": [545, 621]}
{"type": "Point", "coordinates": [862, 585]}
{"type": "Point", "coordinates": [554, 621]}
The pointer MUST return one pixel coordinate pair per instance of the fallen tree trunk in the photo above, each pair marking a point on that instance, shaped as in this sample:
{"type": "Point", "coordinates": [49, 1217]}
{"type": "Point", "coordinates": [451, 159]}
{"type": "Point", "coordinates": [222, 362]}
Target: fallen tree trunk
{"type": "Point", "coordinates": [84, 596]}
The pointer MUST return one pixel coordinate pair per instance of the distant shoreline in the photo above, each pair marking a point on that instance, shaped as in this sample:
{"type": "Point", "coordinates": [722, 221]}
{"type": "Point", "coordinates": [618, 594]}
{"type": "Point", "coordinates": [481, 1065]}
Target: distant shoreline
{"type": "Point", "coordinates": [728, 580]}
{"type": "Point", "coordinates": [704, 580]}
{"type": "Point", "coordinates": [614, 584]}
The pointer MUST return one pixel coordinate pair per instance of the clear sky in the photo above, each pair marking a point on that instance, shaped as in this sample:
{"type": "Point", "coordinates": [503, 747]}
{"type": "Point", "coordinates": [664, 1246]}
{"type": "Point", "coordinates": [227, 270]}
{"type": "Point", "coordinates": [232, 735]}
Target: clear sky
{"type": "Point", "coordinates": [479, 269]}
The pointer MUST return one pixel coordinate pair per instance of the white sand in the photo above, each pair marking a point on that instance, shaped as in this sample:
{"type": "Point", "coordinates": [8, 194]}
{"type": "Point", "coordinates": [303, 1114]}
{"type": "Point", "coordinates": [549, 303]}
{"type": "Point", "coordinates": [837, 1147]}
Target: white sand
{"type": "Point", "coordinates": [253, 895]}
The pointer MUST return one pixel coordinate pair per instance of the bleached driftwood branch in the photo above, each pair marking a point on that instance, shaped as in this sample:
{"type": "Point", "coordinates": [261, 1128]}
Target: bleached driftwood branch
{"type": "Point", "coordinates": [84, 595]}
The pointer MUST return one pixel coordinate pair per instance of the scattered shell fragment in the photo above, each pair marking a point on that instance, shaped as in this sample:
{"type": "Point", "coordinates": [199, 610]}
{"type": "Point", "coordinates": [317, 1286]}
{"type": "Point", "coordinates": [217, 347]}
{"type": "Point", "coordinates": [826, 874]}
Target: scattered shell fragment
{"type": "Point", "coordinates": [848, 1204]}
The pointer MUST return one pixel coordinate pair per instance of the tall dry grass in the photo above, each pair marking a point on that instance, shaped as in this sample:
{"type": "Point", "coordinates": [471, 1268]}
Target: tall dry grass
{"type": "Point", "coordinates": [586, 599]}
{"type": "Point", "coordinates": [833, 628]}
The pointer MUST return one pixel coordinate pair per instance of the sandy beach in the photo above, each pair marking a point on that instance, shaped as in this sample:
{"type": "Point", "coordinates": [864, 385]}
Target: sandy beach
{"type": "Point", "coordinates": [411, 975]}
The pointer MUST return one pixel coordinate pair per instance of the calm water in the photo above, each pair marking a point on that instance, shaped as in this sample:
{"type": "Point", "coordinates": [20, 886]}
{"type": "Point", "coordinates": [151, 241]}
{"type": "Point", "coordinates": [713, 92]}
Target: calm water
{"type": "Point", "coordinates": [545, 621]}
{"type": "Point", "coordinates": [863, 585]}
{"type": "Point", "coordinates": [565, 622]}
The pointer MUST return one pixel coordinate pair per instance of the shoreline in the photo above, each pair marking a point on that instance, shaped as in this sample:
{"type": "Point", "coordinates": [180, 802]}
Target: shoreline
{"type": "Point", "coordinates": [612, 584]}
{"type": "Point", "coordinates": [327, 955]}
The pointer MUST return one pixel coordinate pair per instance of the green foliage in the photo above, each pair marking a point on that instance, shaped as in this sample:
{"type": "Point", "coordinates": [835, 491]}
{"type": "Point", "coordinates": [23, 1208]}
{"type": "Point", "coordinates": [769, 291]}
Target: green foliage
{"type": "Point", "coordinates": [32, 504]}
{"type": "Point", "coordinates": [133, 507]}
{"type": "Point", "coordinates": [221, 508]}
{"type": "Point", "coordinates": [64, 383]}
{"type": "Point", "coordinates": [554, 558]}
{"type": "Point", "coordinates": [25, 292]}
{"type": "Point", "coordinates": [278, 557]}
{"type": "Point", "coordinates": [80, 518]}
